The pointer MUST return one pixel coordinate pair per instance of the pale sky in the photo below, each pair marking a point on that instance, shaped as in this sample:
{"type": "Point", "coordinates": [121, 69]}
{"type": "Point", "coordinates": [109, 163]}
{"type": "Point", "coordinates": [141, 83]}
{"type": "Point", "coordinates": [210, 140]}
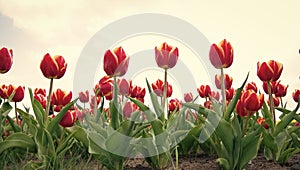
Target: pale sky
{"type": "Point", "coordinates": [257, 30]}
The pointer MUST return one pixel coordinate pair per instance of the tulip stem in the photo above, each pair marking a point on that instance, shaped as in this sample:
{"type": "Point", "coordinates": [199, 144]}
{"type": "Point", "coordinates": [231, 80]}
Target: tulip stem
{"type": "Point", "coordinates": [164, 100]}
{"type": "Point", "coordinates": [48, 100]}
{"type": "Point", "coordinates": [223, 90]}
{"type": "Point", "coordinates": [271, 103]}
{"type": "Point", "coordinates": [115, 114]}
{"type": "Point", "coordinates": [246, 123]}
{"type": "Point", "coordinates": [16, 112]}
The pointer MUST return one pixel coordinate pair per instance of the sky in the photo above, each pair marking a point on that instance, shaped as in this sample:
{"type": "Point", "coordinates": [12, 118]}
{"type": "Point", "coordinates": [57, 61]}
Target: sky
{"type": "Point", "coordinates": [257, 30]}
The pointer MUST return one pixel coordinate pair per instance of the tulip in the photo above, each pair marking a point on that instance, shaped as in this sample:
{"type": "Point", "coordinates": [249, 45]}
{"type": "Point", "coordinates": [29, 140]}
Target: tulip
{"type": "Point", "coordinates": [95, 101]}
{"type": "Point", "coordinates": [3, 92]}
{"type": "Point", "coordinates": [251, 101]}
{"type": "Point", "coordinates": [241, 110]}
{"type": "Point", "coordinates": [251, 86]}
{"type": "Point", "coordinates": [188, 97]}
{"type": "Point", "coordinates": [53, 67]}
{"type": "Point", "coordinates": [129, 108]}
{"type": "Point", "coordinates": [166, 56]}
{"type": "Point", "coordinates": [40, 91]}
{"type": "Point", "coordinates": [230, 93]}
{"type": "Point", "coordinates": [261, 121]}
{"type": "Point", "coordinates": [295, 95]}
{"type": "Point", "coordinates": [276, 101]}
{"type": "Point", "coordinates": [60, 98]}
{"type": "Point", "coordinates": [281, 90]}
{"type": "Point", "coordinates": [6, 60]}
{"type": "Point", "coordinates": [104, 87]}
{"type": "Point", "coordinates": [208, 104]}
{"type": "Point", "coordinates": [41, 99]}
{"type": "Point", "coordinates": [69, 119]}
{"type": "Point", "coordinates": [19, 93]}
{"type": "Point", "coordinates": [84, 96]}
{"type": "Point", "coordinates": [273, 86]}
{"type": "Point", "coordinates": [269, 71]}
{"type": "Point", "coordinates": [221, 55]}
{"type": "Point", "coordinates": [297, 124]}
{"type": "Point", "coordinates": [116, 62]}
{"type": "Point", "coordinates": [138, 92]}
{"type": "Point", "coordinates": [158, 88]}
{"type": "Point", "coordinates": [204, 91]}
{"type": "Point", "coordinates": [124, 87]}
{"type": "Point", "coordinates": [228, 81]}
{"type": "Point", "coordinates": [174, 104]}
{"type": "Point", "coordinates": [215, 95]}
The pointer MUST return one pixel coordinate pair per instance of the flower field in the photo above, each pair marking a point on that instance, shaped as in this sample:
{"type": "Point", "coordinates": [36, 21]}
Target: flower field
{"type": "Point", "coordinates": [112, 125]}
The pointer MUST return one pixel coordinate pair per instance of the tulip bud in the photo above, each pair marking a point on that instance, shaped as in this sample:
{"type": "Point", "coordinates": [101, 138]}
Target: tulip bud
{"type": "Point", "coordinates": [215, 95]}
{"type": "Point", "coordinates": [84, 96]}
{"type": "Point", "coordinates": [158, 88]}
{"type": "Point", "coordinates": [221, 55]}
{"type": "Point", "coordinates": [251, 101]}
{"type": "Point", "coordinates": [174, 104]}
{"type": "Point", "coordinates": [269, 71]}
{"type": "Point", "coordinates": [124, 87]}
{"type": "Point", "coordinates": [227, 81]}
{"type": "Point", "coordinates": [204, 91]}
{"type": "Point", "coordinates": [188, 97]}
{"type": "Point", "coordinates": [40, 91]}
{"type": "Point", "coordinates": [6, 60]}
{"type": "Point", "coordinates": [116, 62]}
{"type": "Point", "coordinates": [69, 119]}
{"type": "Point", "coordinates": [281, 90]}
{"type": "Point", "coordinates": [166, 56]}
{"type": "Point", "coordinates": [53, 67]}
{"type": "Point", "coordinates": [19, 93]}
{"type": "Point", "coordinates": [295, 95]}
{"type": "Point", "coordinates": [251, 86]}
{"type": "Point", "coordinates": [129, 108]}
{"type": "Point", "coordinates": [229, 93]}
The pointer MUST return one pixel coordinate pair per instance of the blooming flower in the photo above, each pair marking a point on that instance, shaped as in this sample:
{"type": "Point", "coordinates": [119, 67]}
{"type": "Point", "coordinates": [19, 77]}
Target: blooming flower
{"type": "Point", "coordinates": [60, 98]}
{"type": "Point", "coordinates": [124, 87]}
{"type": "Point", "coordinates": [204, 91]}
{"type": "Point", "coordinates": [69, 118]}
{"type": "Point", "coordinates": [188, 97]}
{"type": "Point", "coordinates": [53, 67]}
{"type": "Point", "coordinates": [166, 56]}
{"type": "Point", "coordinates": [269, 71]}
{"type": "Point", "coordinates": [158, 88]}
{"type": "Point", "coordinates": [221, 55]}
{"type": "Point", "coordinates": [227, 81]}
{"type": "Point", "coordinates": [6, 60]}
{"type": "Point", "coordinates": [116, 62]}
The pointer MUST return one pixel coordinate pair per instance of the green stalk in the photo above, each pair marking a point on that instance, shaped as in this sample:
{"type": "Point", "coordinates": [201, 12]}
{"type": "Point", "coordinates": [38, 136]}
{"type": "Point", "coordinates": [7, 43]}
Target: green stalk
{"type": "Point", "coordinates": [16, 113]}
{"type": "Point", "coordinates": [223, 90]}
{"type": "Point", "coordinates": [272, 109]}
{"type": "Point", "coordinates": [164, 100]}
{"type": "Point", "coordinates": [48, 100]}
{"type": "Point", "coordinates": [115, 113]}
{"type": "Point", "coordinates": [246, 123]}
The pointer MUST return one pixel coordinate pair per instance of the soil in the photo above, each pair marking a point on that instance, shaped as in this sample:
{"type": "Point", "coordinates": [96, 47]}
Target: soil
{"type": "Point", "coordinates": [207, 162]}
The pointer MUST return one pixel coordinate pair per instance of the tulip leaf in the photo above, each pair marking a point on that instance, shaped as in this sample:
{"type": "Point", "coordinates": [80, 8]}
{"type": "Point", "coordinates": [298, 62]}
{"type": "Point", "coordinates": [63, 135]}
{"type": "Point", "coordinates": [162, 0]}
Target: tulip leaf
{"type": "Point", "coordinates": [224, 163]}
{"type": "Point", "coordinates": [39, 115]}
{"type": "Point", "coordinates": [189, 140]}
{"type": "Point", "coordinates": [157, 107]}
{"type": "Point", "coordinates": [5, 109]}
{"type": "Point", "coordinates": [14, 126]}
{"type": "Point", "coordinates": [225, 133]}
{"type": "Point", "coordinates": [79, 133]}
{"type": "Point", "coordinates": [284, 123]}
{"type": "Point", "coordinates": [55, 121]}
{"type": "Point", "coordinates": [19, 140]}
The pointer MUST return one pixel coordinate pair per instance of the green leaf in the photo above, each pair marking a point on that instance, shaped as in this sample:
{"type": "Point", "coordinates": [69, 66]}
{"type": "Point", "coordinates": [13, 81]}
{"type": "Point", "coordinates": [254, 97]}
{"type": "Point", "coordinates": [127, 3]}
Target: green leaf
{"type": "Point", "coordinates": [15, 127]}
{"type": "Point", "coordinates": [79, 133]}
{"type": "Point", "coordinates": [157, 107]}
{"type": "Point", "coordinates": [187, 143]}
{"type": "Point", "coordinates": [296, 139]}
{"type": "Point", "coordinates": [96, 143]}
{"type": "Point", "coordinates": [224, 163]}
{"type": "Point", "coordinates": [284, 123]}
{"type": "Point", "coordinates": [38, 112]}
{"type": "Point", "coordinates": [55, 121]}
{"type": "Point", "coordinates": [225, 133]}
{"type": "Point", "coordinates": [19, 140]}
{"type": "Point", "coordinates": [5, 109]}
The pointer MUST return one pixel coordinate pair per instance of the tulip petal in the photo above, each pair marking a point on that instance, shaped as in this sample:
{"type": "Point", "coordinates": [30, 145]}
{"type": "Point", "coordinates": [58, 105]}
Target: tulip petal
{"type": "Point", "coordinates": [49, 67]}
{"type": "Point", "coordinates": [110, 62]}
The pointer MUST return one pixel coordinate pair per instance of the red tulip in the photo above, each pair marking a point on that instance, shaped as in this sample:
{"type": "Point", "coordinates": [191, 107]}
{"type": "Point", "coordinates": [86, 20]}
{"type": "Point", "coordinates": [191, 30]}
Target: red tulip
{"type": "Point", "coordinates": [174, 104]}
{"type": "Point", "coordinates": [188, 97]}
{"type": "Point", "coordinates": [251, 101]}
{"type": "Point", "coordinates": [60, 98]}
{"type": "Point", "coordinates": [124, 87]}
{"type": "Point", "coordinates": [40, 91]}
{"type": "Point", "coordinates": [204, 91]}
{"type": "Point", "coordinates": [281, 90]}
{"type": "Point", "coordinates": [208, 104]}
{"type": "Point", "coordinates": [297, 124]}
{"type": "Point", "coordinates": [215, 95]}
{"type": "Point", "coordinates": [104, 87]}
{"type": "Point", "coordinates": [276, 101]}
{"type": "Point", "coordinates": [138, 92]}
{"type": "Point", "coordinates": [116, 62]}
{"type": "Point", "coordinates": [129, 108]}
{"type": "Point", "coordinates": [158, 88]}
{"type": "Point", "coordinates": [296, 94]}
{"type": "Point", "coordinates": [251, 86]}
{"type": "Point", "coordinates": [227, 81]}
{"type": "Point", "coordinates": [241, 110]}
{"type": "Point", "coordinates": [6, 60]}
{"type": "Point", "coordinates": [3, 92]}
{"type": "Point", "coordinates": [221, 55]}
{"type": "Point", "coordinates": [53, 67]}
{"type": "Point", "coordinates": [95, 100]}
{"type": "Point", "coordinates": [229, 93]}
{"type": "Point", "coordinates": [84, 96]}
{"type": "Point", "coordinates": [69, 119]}
{"type": "Point", "coordinates": [166, 56]}
{"type": "Point", "coordinates": [273, 86]}
{"type": "Point", "coordinates": [41, 99]}
{"type": "Point", "coordinates": [269, 71]}
{"type": "Point", "coordinates": [19, 93]}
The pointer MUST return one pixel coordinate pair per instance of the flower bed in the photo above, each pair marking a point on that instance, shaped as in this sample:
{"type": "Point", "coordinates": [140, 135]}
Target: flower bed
{"type": "Point", "coordinates": [233, 124]}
